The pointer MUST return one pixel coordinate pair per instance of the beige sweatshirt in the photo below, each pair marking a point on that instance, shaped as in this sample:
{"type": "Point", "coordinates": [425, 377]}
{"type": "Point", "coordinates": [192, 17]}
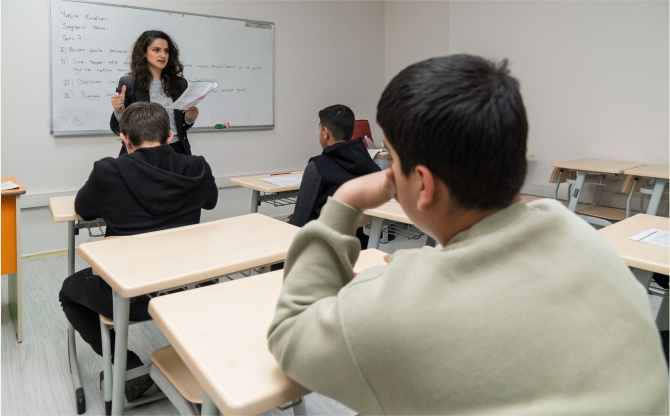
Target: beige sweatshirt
{"type": "Point", "coordinates": [530, 311]}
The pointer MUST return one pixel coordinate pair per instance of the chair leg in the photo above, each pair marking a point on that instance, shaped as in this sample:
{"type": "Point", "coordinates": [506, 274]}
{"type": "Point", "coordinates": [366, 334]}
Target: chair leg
{"type": "Point", "coordinates": [107, 366]}
{"type": "Point", "coordinates": [184, 407]}
{"type": "Point", "coordinates": [80, 398]}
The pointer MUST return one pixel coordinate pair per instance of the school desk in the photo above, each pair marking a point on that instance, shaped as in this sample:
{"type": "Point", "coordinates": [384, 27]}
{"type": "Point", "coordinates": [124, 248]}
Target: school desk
{"type": "Point", "coordinates": [643, 259]}
{"type": "Point", "coordinates": [389, 211]}
{"type": "Point", "coordinates": [220, 332]}
{"type": "Point", "coordinates": [656, 173]}
{"type": "Point", "coordinates": [144, 263]}
{"type": "Point", "coordinates": [601, 168]}
{"type": "Point", "coordinates": [11, 252]}
{"type": "Point", "coordinates": [274, 194]}
{"type": "Point", "coordinates": [62, 210]}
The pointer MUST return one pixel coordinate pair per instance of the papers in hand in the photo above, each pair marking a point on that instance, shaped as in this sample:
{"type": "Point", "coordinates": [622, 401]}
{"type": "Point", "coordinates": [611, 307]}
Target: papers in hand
{"type": "Point", "coordinates": [9, 185]}
{"type": "Point", "coordinates": [195, 92]}
{"type": "Point", "coordinates": [287, 180]}
{"type": "Point", "coordinates": [652, 236]}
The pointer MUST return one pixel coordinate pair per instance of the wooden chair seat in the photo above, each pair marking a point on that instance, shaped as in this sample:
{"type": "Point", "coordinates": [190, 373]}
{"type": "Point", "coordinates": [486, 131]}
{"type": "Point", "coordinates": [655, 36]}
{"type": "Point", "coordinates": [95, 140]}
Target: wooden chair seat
{"type": "Point", "coordinates": [606, 213]}
{"type": "Point", "coordinates": [167, 360]}
{"type": "Point", "coordinates": [530, 198]}
{"type": "Point", "coordinates": [110, 322]}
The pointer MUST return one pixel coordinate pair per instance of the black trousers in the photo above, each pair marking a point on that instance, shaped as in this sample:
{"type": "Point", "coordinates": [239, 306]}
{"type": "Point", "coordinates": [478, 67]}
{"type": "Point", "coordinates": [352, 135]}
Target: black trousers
{"type": "Point", "coordinates": [177, 146]}
{"type": "Point", "coordinates": [84, 296]}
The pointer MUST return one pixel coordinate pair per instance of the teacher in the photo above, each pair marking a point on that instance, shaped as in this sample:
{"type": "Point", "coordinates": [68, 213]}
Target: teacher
{"type": "Point", "coordinates": [155, 75]}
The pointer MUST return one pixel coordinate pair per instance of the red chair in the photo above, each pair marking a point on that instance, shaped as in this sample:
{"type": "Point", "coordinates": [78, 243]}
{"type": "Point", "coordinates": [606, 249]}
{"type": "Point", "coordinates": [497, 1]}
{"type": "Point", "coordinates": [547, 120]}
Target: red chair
{"type": "Point", "coordinates": [362, 129]}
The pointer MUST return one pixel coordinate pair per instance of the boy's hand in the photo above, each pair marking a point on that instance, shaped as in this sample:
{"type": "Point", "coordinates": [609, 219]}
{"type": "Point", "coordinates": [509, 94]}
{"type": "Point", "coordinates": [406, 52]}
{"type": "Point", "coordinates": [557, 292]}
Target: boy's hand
{"type": "Point", "coordinates": [369, 191]}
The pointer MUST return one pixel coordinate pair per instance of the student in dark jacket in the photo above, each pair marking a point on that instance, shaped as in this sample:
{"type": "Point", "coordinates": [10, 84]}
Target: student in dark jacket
{"type": "Point", "coordinates": [150, 188]}
{"type": "Point", "coordinates": [342, 160]}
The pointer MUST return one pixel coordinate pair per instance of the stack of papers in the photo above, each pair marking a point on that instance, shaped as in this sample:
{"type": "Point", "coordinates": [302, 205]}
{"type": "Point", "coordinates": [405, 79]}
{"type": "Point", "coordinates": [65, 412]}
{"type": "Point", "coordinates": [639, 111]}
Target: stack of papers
{"type": "Point", "coordinates": [195, 93]}
{"type": "Point", "coordinates": [284, 180]}
{"type": "Point", "coordinates": [652, 236]}
{"type": "Point", "coordinates": [9, 185]}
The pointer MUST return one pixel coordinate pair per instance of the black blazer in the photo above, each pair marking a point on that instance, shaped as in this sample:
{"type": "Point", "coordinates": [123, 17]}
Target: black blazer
{"type": "Point", "coordinates": [134, 95]}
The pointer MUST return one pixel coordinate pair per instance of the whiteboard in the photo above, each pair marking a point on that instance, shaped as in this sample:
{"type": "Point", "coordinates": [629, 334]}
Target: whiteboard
{"type": "Point", "coordinates": [91, 45]}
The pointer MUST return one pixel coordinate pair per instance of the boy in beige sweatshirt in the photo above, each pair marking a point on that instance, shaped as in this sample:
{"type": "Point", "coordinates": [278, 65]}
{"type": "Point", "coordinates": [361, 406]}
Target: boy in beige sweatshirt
{"type": "Point", "coordinates": [521, 309]}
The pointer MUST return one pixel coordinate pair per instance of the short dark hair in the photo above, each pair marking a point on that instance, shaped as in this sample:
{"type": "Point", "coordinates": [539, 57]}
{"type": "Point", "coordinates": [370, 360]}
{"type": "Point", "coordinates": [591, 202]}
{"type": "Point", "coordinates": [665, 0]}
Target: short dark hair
{"type": "Point", "coordinates": [339, 119]}
{"type": "Point", "coordinates": [463, 118]}
{"type": "Point", "coordinates": [145, 122]}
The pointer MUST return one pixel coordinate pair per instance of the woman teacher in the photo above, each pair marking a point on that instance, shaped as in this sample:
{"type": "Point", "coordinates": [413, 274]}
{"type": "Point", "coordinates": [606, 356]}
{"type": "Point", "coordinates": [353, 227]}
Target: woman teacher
{"type": "Point", "coordinates": [155, 75]}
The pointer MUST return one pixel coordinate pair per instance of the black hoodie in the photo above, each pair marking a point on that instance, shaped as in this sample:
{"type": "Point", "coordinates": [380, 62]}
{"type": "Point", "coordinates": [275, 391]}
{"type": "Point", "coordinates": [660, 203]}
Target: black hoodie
{"type": "Point", "coordinates": [151, 189]}
{"type": "Point", "coordinates": [325, 173]}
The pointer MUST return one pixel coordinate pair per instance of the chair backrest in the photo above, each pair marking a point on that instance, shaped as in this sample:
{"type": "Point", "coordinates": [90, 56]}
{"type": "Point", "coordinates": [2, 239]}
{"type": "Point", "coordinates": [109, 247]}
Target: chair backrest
{"type": "Point", "coordinates": [362, 129]}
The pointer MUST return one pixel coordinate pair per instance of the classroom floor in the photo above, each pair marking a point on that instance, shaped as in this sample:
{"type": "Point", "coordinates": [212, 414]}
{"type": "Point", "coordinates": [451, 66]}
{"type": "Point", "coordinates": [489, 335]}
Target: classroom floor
{"type": "Point", "coordinates": [35, 374]}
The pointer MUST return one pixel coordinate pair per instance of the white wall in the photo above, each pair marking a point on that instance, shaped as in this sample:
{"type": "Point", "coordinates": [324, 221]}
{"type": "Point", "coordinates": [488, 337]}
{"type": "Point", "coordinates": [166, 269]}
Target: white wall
{"type": "Point", "coordinates": [325, 53]}
{"type": "Point", "coordinates": [594, 75]}
{"type": "Point", "coordinates": [414, 31]}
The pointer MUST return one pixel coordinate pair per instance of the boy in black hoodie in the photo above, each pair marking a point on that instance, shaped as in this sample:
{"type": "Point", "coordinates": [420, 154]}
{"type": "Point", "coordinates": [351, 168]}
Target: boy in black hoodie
{"type": "Point", "coordinates": [342, 160]}
{"type": "Point", "coordinates": [150, 188]}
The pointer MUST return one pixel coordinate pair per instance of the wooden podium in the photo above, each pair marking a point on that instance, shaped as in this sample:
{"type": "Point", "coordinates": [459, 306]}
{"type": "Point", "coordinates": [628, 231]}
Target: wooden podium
{"type": "Point", "coordinates": [11, 251]}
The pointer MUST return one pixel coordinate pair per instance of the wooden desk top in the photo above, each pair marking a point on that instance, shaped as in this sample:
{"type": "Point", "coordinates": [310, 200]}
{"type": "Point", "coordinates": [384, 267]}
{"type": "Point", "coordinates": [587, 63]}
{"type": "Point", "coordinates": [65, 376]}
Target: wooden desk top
{"type": "Point", "coordinates": [227, 350]}
{"type": "Point", "coordinates": [597, 165]}
{"type": "Point", "coordinates": [62, 209]}
{"type": "Point", "coordinates": [18, 191]}
{"type": "Point", "coordinates": [634, 253]}
{"type": "Point", "coordinates": [650, 171]}
{"type": "Point", "coordinates": [389, 211]}
{"type": "Point", "coordinates": [144, 263]}
{"type": "Point", "coordinates": [386, 156]}
{"type": "Point", "coordinates": [252, 182]}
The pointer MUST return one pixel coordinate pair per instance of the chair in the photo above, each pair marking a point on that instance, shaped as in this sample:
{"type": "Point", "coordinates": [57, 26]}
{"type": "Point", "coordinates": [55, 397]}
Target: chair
{"type": "Point", "coordinates": [106, 325]}
{"type": "Point", "coordinates": [175, 380]}
{"type": "Point", "coordinates": [362, 129]}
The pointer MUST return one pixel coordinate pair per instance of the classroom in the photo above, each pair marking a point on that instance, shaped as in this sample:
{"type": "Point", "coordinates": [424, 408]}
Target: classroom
{"type": "Point", "coordinates": [334, 207]}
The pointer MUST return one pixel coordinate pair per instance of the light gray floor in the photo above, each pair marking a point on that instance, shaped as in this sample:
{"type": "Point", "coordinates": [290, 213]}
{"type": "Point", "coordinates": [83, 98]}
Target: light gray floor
{"type": "Point", "coordinates": [35, 375]}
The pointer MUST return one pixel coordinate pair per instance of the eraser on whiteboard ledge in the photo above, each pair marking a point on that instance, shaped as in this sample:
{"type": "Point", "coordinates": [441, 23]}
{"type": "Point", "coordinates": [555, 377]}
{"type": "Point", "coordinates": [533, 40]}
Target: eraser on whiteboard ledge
{"type": "Point", "coordinates": [222, 126]}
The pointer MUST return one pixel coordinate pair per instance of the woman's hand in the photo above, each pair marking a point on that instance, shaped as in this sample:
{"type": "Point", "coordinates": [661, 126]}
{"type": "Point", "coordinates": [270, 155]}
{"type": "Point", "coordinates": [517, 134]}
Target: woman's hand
{"type": "Point", "coordinates": [369, 191]}
{"type": "Point", "coordinates": [192, 113]}
{"type": "Point", "coordinates": [119, 99]}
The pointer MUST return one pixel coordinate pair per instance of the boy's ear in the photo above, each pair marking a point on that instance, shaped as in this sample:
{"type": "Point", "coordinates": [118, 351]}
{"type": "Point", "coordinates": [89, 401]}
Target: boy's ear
{"type": "Point", "coordinates": [427, 187]}
{"type": "Point", "coordinates": [326, 133]}
{"type": "Point", "coordinates": [169, 138]}
{"type": "Point", "coordinates": [126, 140]}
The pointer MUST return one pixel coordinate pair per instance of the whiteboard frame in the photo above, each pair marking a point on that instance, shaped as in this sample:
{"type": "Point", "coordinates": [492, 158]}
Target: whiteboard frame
{"type": "Point", "coordinates": [105, 132]}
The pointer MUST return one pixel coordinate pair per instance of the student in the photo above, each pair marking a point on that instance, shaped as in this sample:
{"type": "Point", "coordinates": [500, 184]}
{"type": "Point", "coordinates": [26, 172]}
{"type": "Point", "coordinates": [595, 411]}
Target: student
{"type": "Point", "coordinates": [342, 159]}
{"type": "Point", "coordinates": [148, 189]}
{"type": "Point", "coordinates": [522, 309]}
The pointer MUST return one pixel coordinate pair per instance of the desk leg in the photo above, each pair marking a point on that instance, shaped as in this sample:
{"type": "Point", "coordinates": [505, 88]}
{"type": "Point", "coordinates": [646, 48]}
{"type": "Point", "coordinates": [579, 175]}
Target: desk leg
{"type": "Point", "coordinates": [574, 198]}
{"type": "Point", "coordinates": [598, 193]}
{"type": "Point", "coordinates": [430, 242]}
{"type": "Point", "coordinates": [662, 317]}
{"type": "Point", "coordinates": [80, 398]}
{"type": "Point", "coordinates": [255, 197]}
{"type": "Point", "coordinates": [121, 317]}
{"type": "Point", "coordinates": [300, 409]}
{"type": "Point", "coordinates": [656, 196]}
{"type": "Point", "coordinates": [643, 276]}
{"type": "Point", "coordinates": [375, 232]}
{"type": "Point", "coordinates": [208, 406]}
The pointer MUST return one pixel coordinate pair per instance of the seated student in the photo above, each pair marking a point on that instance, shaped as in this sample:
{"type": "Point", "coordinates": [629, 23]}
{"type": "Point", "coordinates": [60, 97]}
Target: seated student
{"type": "Point", "coordinates": [522, 309]}
{"type": "Point", "coordinates": [148, 189]}
{"type": "Point", "coordinates": [342, 160]}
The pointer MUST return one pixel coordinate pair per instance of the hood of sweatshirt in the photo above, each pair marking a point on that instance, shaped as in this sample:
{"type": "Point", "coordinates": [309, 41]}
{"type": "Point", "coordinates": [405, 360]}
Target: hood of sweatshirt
{"type": "Point", "coordinates": [169, 180]}
{"type": "Point", "coordinates": [351, 155]}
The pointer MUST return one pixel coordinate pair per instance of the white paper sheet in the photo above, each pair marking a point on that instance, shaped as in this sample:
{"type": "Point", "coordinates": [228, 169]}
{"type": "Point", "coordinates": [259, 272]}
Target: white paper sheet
{"type": "Point", "coordinates": [9, 185]}
{"type": "Point", "coordinates": [373, 152]}
{"type": "Point", "coordinates": [284, 180]}
{"type": "Point", "coordinates": [195, 92]}
{"type": "Point", "coordinates": [652, 236]}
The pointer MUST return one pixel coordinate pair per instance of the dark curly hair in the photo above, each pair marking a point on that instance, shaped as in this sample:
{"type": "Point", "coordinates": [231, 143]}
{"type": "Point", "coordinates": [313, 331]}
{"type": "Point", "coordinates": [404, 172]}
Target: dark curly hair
{"type": "Point", "coordinates": [172, 74]}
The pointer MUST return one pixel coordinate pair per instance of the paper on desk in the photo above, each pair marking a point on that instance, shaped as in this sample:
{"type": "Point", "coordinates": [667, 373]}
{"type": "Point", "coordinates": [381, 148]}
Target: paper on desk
{"type": "Point", "coordinates": [195, 92]}
{"type": "Point", "coordinates": [652, 236]}
{"type": "Point", "coordinates": [284, 180]}
{"type": "Point", "coordinates": [9, 185]}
